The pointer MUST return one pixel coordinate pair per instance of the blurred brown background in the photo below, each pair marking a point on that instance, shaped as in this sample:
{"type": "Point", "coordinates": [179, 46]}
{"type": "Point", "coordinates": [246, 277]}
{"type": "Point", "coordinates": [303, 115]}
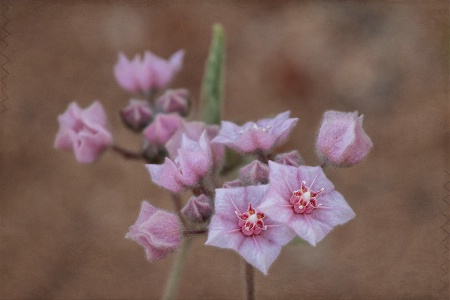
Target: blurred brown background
{"type": "Point", "coordinates": [63, 224]}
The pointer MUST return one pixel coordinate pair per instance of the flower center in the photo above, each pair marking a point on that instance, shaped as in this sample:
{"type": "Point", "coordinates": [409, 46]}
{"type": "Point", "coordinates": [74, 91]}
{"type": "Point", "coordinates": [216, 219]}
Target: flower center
{"type": "Point", "coordinates": [251, 222]}
{"type": "Point", "coordinates": [81, 126]}
{"type": "Point", "coordinates": [304, 200]}
{"type": "Point", "coordinates": [256, 127]}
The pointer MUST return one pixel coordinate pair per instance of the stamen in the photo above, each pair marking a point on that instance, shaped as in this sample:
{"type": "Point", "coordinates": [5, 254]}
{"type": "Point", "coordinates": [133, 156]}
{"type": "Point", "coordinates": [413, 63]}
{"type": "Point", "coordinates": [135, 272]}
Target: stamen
{"type": "Point", "coordinates": [304, 200]}
{"type": "Point", "coordinates": [251, 222]}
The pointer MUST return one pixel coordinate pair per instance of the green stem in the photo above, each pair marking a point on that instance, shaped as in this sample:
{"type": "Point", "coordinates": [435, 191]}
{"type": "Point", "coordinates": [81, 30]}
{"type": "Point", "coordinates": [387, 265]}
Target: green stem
{"type": "Point", "coordinates": [173, 281]}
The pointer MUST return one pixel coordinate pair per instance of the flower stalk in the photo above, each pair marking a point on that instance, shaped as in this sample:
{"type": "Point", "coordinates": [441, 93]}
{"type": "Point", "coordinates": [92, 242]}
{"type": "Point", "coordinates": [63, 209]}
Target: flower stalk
{"type": "Point", "coordinates": [173, 281]}
{"type": "Point", "coordinates": [249, 273]}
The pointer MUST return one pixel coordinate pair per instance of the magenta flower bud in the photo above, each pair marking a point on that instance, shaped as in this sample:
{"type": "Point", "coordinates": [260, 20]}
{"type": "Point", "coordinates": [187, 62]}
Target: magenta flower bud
{"type": "Point", "coordinates": [153, 153]}
{"type": "Point", "coordinates": [342, 141]}
{"type": "Point", "coordinates": [84, 131]}
{"type": "Point", "coordinates": [151, 72]}
{"type": "Point", "coordinates": [158, 231]}
{"type": "Point", "coordinates": [162, 128]}
{"type": "Point", "coordinates": [193, 162]}
{"type": "Point", "coordinates": [198, 209]}
{"type": "Point", "coordinates": [292, 158]}
{"type": "Point", "coordinates": [255, 173]}
{"type": "Point", "coordinates": [252, 137]}
{"type": "Point", "coordinates": [137, 114]}
{"type": "Point", "coordinates": [174, 101]}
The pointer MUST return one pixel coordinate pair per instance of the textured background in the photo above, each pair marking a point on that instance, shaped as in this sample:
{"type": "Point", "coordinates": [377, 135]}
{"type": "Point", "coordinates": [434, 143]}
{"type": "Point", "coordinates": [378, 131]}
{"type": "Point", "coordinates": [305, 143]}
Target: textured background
{"type": "Point", "coordinates": [63, 224]}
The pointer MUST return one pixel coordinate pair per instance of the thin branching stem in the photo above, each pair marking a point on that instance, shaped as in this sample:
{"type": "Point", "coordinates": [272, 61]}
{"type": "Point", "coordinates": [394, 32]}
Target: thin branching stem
{"type": "Point", "coordinates": [127, 153]}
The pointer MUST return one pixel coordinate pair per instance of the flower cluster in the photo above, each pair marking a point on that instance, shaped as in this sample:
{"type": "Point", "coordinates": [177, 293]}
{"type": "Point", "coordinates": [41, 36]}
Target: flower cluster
{"type": "Point", "coordinates": [275, 197]}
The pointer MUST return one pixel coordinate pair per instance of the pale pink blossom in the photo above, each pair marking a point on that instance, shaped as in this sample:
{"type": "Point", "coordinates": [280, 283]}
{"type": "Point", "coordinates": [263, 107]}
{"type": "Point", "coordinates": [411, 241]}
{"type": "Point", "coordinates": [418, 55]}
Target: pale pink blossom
{"type": "Point", "coordinates": [342, 141]}
{"type": "Point", "coordinates": [304, 199]}
{"type": "Point", "coordinates": [137, 114]}
{"type": "Point", "coordinates": [84, 131]}
{"type": "Point", "coordinates": [147, 73]}
{"type": "Point", "coordinates": [158, 231]}
{"type": "Point", "coordinates": [162, 128]}
{"type": "Point", "coordinates": [252, 137]}
{"type": "Point", "coordinates": [241, 225]}
{"type": "Point", "coordinates": [193, 130]}
{"type": "Point", "coordinates": [193, 162]}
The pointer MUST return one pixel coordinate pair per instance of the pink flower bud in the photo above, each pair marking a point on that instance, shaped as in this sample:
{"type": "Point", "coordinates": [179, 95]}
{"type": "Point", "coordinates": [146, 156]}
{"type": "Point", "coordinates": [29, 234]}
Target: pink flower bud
{"type": "Point", "coordinates": [233, 184]}
{"type": "Point", "coordinates": [342, 141]}
{"type": "Point", "coordinates": [292, 158]}
{"type": "Point", "coordinates": [255, 173]}
{"type": "Point", "coordinates": [174, 101]}
{"type": "Point", "coordinates": [158, 231]}
{"type": "Point", "coordinates": [153, 153]}
{"type": "Point", "coordinates": [84, 131]}
{"type": "Point", "coordinates": [198, 209]}
{"type": "Point", "coordinates": [162, 128]}
{"type": "Point", "coordinates": [137, 114]}
{"type": "Point", "coordinates": [151, 72]}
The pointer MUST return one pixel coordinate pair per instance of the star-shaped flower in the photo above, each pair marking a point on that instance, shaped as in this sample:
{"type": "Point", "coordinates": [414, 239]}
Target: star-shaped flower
{"type": "Point", "coordinates": [147, 73]}
{"type": "Point", "coordinates": [193, 162]}
{"type": "Point", "coordinates": [241, 225]}
{"type": "Point", "coordinates": [253, 137]}
{"type": "Point", "coordinates": [84, 131]}
{"type": "Point", "coordinates": [304, 199]}
{"type": "Point", "coordinates": [193, 130]}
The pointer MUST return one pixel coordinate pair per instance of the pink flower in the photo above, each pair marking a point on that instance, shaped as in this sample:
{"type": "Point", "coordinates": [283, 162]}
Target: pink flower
{"type": "Point", "coordinates": [260, 136]}
{"type": "Point", "coordinates": [241, 225]}
{"type": "Point", "coordinates": [137, 114]}
{"type": "Point", "coordinates": [151, 72]}
{"type": "Point", "coordinates": [342, 141]}
{"type": "Point", "coordinates": [84, 131]}
{"type": "Point", "coordinates": [162, 128]}
{"type": "Point", "coordinates": [304, 199]}
{"type": "Point", "coordinates": [193, 130]}
{"type": "Point", "coordinates": [193, 162]}
{"type": "Point", "coordinates": [158, 231]}
{"type": "Point", "coordinates": [174, 101]}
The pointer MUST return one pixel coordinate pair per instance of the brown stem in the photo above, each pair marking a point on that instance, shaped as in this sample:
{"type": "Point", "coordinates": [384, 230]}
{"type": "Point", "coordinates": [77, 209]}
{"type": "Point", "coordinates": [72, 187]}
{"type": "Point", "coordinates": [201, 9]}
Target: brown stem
{"type": "Point", "coordinates": [323, 165]}
{"type": "Point", "coordinates": [193, 232]}
{"type": "Point", "coordinates": [126, 153]}
{"type": "Point", "coordinates": [249, 281]}
{"type": "Point", "coordinates": [262, 157]}
{"type": "Point", "coordinates": [178, 206]}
